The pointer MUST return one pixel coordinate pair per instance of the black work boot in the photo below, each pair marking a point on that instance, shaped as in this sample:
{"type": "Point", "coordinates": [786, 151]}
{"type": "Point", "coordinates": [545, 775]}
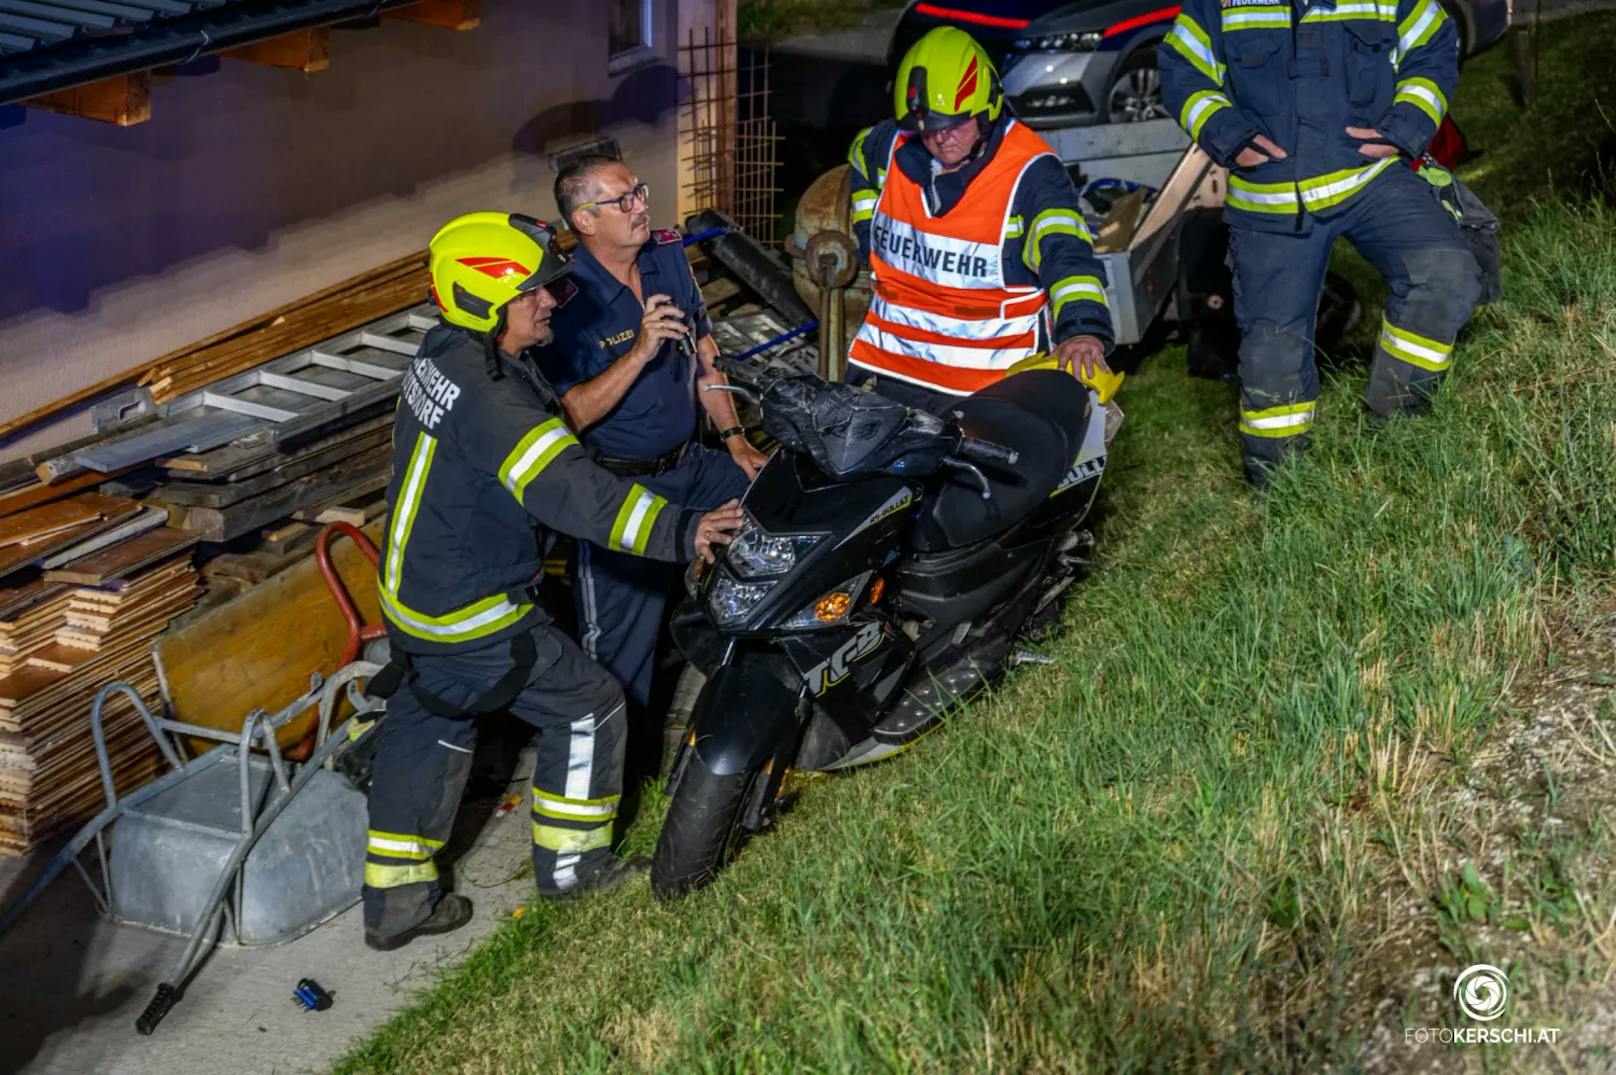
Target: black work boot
{"type": "Point", "coordinates": [613, 874]}
{"type": "Point", "coordinates": [450, 913]}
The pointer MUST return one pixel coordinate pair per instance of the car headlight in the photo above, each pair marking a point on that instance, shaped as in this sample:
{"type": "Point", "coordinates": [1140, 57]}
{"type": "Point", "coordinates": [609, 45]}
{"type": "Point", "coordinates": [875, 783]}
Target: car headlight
{"type": "Point", "coordinates": [756, 553]}
{"type": "Point", "coordinates": [832, 607]}
{"type": "Point", "coordinates": [730, 601]}
{"type": "Point", "coordinates": [1079, 41]}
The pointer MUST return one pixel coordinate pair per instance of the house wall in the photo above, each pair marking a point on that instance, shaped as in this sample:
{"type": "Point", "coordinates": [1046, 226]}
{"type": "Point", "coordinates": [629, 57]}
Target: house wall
{"type": "Point", "coordinates": [252, 186]}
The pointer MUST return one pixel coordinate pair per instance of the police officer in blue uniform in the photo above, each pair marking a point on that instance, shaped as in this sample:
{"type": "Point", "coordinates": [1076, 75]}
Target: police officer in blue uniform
{"type": "Point", "coordinates": [632, 349]}
{"type": "Point", "coordinates": [1313, 106]}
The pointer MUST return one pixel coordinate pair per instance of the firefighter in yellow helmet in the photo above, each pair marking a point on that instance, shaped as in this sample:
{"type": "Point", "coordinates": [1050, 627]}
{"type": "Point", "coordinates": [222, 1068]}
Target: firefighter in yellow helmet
{"type": "Point", "coordinates": [979, 255]}
{"type": "Point", "coordinates": [483, 470]}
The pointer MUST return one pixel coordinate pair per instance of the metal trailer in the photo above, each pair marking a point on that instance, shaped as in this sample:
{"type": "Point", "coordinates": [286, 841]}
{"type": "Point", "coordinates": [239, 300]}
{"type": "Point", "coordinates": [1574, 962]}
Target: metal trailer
{"type": "Point", "coordinates": [1144, 277]}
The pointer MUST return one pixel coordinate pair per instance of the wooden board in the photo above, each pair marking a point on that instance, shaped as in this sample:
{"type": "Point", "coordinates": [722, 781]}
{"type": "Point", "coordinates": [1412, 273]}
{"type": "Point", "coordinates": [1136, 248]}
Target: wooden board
{"type": "Point", "coordinates": [143, 521]}
{"type": "Point", "coordinates": [86, 507]}
{"type": "Point", "coordinates": [14, 558]}
{"type": "Point", "coordinates": [48, 519]}
{"type": "Point", "coordinates": [356, 506]}
{"type": "Point", "coordinates": [223, 494]}
{"type": "Point", "coordinates": [260, 564]}
{"type": "Point", "coordinates": [259, 649]}
{"type": "Point", "coordinates": [223, 524]}
{"type": "Point", "coordinates": [125, 559]}
{"type": "Point", "coordinates": [15, 600]}
{"type": "Point", "coordinates": [121, 100]}
{"type": "Point", "coordinates": [257, 453]}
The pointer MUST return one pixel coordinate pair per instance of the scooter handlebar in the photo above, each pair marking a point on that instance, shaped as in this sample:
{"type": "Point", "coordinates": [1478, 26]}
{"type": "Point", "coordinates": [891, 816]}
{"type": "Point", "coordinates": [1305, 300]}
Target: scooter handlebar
{"type": "Point", "coordinates": [985, 451]}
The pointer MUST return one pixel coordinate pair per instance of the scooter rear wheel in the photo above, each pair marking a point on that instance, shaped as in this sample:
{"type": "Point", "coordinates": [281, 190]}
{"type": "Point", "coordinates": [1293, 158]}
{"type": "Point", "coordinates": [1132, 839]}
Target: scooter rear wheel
{"type": "Point", "coordinates": [702, 829]}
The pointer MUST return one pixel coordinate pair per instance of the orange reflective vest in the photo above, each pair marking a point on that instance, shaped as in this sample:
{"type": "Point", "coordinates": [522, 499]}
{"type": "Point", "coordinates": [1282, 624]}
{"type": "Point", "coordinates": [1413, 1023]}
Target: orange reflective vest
{"type": "Point", "coordinates": [941, 314]}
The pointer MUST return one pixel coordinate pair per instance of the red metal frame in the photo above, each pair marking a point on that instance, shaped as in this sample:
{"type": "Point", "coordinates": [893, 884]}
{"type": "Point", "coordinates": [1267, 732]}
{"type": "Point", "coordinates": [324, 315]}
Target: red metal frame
{"type": "Point", "coordinates": [358, 631]}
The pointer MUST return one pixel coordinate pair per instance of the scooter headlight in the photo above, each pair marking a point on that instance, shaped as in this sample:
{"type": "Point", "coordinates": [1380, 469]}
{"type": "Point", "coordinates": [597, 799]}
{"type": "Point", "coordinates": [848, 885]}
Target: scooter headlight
{"type": "Point", "coordinates": [756, 553]}
{"type": "Point", "coordinates": [730, 601]}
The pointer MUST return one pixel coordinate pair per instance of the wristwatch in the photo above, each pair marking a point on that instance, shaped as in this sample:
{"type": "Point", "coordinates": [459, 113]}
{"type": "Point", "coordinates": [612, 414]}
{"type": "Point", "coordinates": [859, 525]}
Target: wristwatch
{"type": "Point", "coordinates": [732, 431]}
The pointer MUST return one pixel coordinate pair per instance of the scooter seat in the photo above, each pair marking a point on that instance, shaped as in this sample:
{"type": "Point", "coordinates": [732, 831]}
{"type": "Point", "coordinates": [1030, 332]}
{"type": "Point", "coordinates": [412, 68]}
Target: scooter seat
{"type": "Point", "coordinates": [1042, 415]}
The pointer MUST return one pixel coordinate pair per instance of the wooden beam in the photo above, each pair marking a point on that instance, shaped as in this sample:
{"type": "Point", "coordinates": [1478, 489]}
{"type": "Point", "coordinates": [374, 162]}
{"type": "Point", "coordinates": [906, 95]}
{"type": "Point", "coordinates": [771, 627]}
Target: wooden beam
{"type": "Point", "coordinates": [122, 99]}
{"type": "Point", "coordinates": [305, 50]}
{"type": "Point", "coordinates": [451, 14]}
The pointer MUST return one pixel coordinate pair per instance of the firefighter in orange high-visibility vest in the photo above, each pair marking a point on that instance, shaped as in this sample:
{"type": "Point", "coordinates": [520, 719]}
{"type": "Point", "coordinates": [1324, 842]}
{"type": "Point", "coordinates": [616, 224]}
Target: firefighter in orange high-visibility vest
{"type": "Point", "coordinates": [979, 255]}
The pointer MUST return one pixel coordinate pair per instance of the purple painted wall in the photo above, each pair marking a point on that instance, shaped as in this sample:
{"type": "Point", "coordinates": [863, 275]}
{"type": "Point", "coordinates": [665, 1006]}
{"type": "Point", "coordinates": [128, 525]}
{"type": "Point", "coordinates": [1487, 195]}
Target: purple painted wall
{"type": "Point", "coordinates": [251, 186]}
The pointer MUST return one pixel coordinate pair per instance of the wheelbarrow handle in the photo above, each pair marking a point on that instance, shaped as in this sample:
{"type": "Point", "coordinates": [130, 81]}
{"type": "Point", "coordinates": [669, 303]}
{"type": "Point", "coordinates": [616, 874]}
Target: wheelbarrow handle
{"type": "Point", "coordinates": [358, 632]}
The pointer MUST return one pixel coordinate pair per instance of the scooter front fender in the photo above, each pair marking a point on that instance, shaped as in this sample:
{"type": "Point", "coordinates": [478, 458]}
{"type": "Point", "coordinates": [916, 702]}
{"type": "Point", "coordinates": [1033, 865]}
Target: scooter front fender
{"type": "Point", "coordinates": [744, 716]}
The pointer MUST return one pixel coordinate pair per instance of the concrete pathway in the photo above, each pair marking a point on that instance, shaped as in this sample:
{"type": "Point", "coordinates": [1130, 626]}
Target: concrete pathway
{"type": "Point", "coordinates": [72, 984]}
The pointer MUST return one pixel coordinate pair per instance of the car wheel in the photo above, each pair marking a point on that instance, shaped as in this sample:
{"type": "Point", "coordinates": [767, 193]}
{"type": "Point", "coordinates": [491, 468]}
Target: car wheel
{"type": "Point", "coordinates": [1136, 94]}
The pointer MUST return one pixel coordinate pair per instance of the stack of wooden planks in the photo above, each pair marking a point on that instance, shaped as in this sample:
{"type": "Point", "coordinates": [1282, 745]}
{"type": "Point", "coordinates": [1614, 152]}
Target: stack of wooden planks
{"type": "Point", "coordinates": [303, 323]}
{"type": "Point", "coordinates": [245, 489]}
{"type": "Point", "coordinates": [89, 582]}
{"type": "Point", "coordinates": [393, 286]}
{"type": "Point", "coordinates": [97, 559]}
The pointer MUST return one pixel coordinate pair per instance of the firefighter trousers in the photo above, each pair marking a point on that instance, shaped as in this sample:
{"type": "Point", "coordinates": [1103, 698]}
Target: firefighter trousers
{"type": "Point", "coordinates": [423, 759]}
{"type": "Point", "coordinates": [1400, 228]}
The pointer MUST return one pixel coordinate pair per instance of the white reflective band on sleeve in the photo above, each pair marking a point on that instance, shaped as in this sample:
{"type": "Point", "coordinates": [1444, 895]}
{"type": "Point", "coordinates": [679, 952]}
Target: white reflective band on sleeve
{"type": "Point", "coordinates": [519, 475]}
{"type": "Point", "coordinates": [1436, 106]}
{"type": "Point", "coordinates": [1202, 109]}
{"type": "Point", "coordinates": [1079, 289]}
{"type": "Point", "coordinates": [1184, 40]}
{"type": "Point", "coordinates": [937, 259]}
{"type": "Point", "coordinates": [1429, 14]}
{"type": "Point", "coordinates": [1049, 220]}
{"type": "Point", "coordinates": [636, 520]}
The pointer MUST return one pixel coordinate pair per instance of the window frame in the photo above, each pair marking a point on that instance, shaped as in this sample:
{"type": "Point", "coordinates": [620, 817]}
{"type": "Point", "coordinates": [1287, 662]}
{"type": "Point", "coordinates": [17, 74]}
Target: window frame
{"type": "Point", "coordinates": [637, 55]}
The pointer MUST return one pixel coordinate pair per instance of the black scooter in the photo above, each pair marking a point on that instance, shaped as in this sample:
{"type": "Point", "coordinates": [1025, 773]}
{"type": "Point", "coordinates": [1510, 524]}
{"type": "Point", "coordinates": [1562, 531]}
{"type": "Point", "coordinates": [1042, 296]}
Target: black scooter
{"type": "Point", "coordinates": [889, 561]}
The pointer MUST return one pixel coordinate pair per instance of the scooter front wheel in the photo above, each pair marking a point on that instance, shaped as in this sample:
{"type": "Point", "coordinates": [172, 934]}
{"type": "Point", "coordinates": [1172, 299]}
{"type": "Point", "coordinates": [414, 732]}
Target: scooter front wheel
{"type": "Point", "coordinates": [702, 830]}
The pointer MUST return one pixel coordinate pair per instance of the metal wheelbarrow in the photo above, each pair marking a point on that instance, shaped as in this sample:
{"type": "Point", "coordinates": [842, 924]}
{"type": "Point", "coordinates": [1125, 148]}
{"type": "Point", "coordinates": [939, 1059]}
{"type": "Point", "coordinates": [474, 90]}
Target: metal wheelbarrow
{"type": "Point", "coordinates": [232, 846]}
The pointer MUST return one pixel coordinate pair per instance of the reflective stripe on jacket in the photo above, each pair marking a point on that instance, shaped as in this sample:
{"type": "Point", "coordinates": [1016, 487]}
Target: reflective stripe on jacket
{"type": "Point", "coordinates": [1301, 75]}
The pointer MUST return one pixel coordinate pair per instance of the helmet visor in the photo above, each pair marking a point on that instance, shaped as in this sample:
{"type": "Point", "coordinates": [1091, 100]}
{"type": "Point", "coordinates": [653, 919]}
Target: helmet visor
{"type": "Point", "coordinates": [554, 265]}
{"type": "Point", "coordinates": [933, 122]}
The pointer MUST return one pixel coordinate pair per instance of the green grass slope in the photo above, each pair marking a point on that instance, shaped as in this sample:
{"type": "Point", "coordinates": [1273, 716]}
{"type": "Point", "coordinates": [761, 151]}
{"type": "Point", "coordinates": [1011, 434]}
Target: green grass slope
{"type": "Point", "coordinates": [1167, 850]}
